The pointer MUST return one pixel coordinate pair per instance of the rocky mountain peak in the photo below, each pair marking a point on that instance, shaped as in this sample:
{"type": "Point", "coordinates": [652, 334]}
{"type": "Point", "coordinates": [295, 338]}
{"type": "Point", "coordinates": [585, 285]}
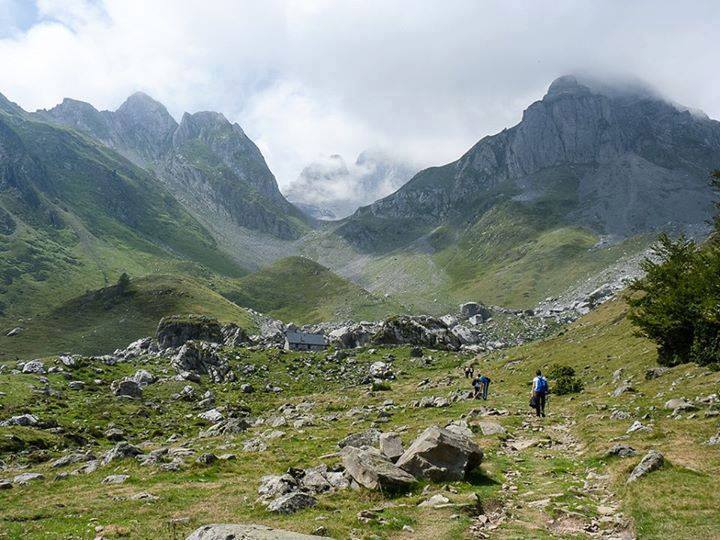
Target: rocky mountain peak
{"type": "Point", "coordinates": [140, 111]}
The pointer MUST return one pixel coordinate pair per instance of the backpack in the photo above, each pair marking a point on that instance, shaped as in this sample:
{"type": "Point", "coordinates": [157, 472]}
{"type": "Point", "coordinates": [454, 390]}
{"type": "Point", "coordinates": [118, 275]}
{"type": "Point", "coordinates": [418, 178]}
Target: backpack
{"type": "Point", "coordinates": [542, 385]}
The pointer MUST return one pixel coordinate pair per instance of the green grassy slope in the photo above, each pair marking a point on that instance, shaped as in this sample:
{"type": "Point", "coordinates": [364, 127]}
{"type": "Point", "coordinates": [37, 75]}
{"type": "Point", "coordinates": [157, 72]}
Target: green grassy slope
{"type": "Point", "coordinates": [100, 321]}
{"type": "Point", "coordinates": [542, 485]}
{"type": "Point", "coordinates": [300, 290]}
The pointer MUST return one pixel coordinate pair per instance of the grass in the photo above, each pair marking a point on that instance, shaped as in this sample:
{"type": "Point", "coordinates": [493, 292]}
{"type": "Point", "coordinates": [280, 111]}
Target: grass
{"type": "Point", "coordinates": [101, 321]}
{"type": "Point", "coordinates": [303, 291]}
{"type": "Point", "coordinates": [679, 501]}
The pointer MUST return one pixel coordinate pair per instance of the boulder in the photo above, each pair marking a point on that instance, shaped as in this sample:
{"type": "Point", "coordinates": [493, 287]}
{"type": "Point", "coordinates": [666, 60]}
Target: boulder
{"type": "Point", "coordinates": [115, 479]}
{"type": "Point", "coordinates": [440, 455]}
{"type": "Point", "coordinates": [15, 331]}
{"type": "Point", "coordinates": [391, 446]}
{"type": "Point", "coordinates": [491, 428]}
{"type": "Point", "coordinates": [381, 370]}
{"type": "Point", "coordinates": [652, 461]}
{"type": "Point", "coordinates": [291, 503]}
{"type": "Point", "coordinates": [621, 450]}
{"type": "Point", "coordinates": [679, 405]}
{"type": "Point", "coordinates": [176, 330]}
{"type": "Point", "coordinates": [352, 336]}
{"type": "Point", "coordinates": [143, 377]}
{"type": "Point", "coordinates": [21, 420]}
{"type": "Point", "coordinates": [247, 532]}
{"type": "Point", "coordinates": [372, 470]}
{"type": "Point", "coordinates": [370, 437]}
{"type": "Point", "coordinates": [34, 366]}
{"type": "Point", "coordinates": [212, 416]}
{"type": "Point", "coordinates": [126, 388]}
{"type": "Point", "coordinates": [121, 450]}
{"type": "Point", "coordinates": [623, 389]}
{"type": "Point", "coordinates": [26, 478]}
{"type": "Point", "coordinates": [200, 357]}
{"type": "Point", "coordinates": [234, 336]}
{"type": "Point", "coordinates": [471, 309]}
{"type": "Point", "coordinates": [654, 373]}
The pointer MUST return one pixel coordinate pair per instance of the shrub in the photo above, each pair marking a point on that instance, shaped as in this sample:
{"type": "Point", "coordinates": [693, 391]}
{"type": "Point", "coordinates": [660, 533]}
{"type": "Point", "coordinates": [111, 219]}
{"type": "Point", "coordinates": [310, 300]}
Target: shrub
{"type": "Point", "coordinates": [378, 386]}
{"type": "Point", "coordinates": [564, 380]}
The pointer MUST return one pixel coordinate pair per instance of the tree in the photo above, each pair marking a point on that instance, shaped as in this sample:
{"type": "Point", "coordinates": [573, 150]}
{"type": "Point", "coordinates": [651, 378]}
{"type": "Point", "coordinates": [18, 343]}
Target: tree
{"type": "Point", "coordinates": [123, 283]}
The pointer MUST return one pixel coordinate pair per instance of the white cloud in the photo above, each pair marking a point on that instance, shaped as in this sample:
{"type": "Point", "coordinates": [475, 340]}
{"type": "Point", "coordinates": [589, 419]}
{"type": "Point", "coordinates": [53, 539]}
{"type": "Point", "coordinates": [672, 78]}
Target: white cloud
{"type": "Point", "coordinates": [311, 78]}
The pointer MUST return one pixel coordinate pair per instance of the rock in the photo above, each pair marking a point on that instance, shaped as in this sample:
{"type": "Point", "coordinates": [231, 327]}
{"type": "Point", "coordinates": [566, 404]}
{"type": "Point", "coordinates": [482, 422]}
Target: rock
{"type": "Point", "coordinates": [638, 426]}
{"type": "Point", "coordinates": [623, 389]}
{"type": "Point", "coordinates": [21, 420]}
{"type": "Point", "coordinates": [176, 330]}
{"type": "Point", "coordinates": [126, 388]}
{"type": "Point", "coordinates": [70, 459]}
{"type": "Point", "coordinates": [115, 479]}
{"type": "Point", "coordinates": [273, 486]}
{"type": "Point", "coordinates": [247, 388]}
{"type": "Point", "coordinates": [470, 309]}
{"type": "Point", "coordinates": [714, 440]}
{"type": "Point", "coordinates": [460, 427]}
{"type": "Point", "coordinates": [491, 428]}
{"type": "Point", "coordinates": [370, 437]}
{"type": "Point", "coordinates": [372, 470]}
{"type": "Point", "coordinates": [5, 484]}
{"type": "Point", "coordinates": [246, 532]}
{"type": "Point", "coordinates": [115, 434]}
{"type": "Point", "coordinates": [76, 385]}
{"type": "Point", "coordinates": [440, 455]}
{"type": "Point", "coordinates": [391, 446]}
{"type": "Point", "coordinates": [435, 500]}
{"type": "Point", "coordinates": [121, 450]}
{"type": "Point", "coordinates": [203, 358]}
{"type": "Point", "coordinates": [621, 450]}
{"type": "Point", "coordinates": [234, 336]}
{"type": "Point", "coordinates": [416, 352]}
{"type": "Point", "coordinates": [381, 370]}
{"type": "Point", "coordinates": [422, 331]}
{"type": "Point", "coordinates": [291, 503]}
{"type": "Point", "coordinates": [652, 461]}
{"type": "Point", "coordinates": [254, 445]}
{"type": "Point", "coordinates": [207, 458]}
{"type": "Point", "coordinates": [231, 426]}
{"type": "Point", "coordinates": [26, 478]}
{"type": "Point", "coordinates": [15, 331]}
{"type": "Point", "coordinates": [34, 366]}
{"type": "Point", "coordinates": [143, 377]}
{"type": "Point", "coordinates": [352, 336]}
{"type": "Point", "coordinates": [68, 361]}
{"type": "Point", "coordinates": [654, 373]}
{"type": "Point", "coordinates": [213, 416]}
{"type": "Point", "coordinates": [679, 405]}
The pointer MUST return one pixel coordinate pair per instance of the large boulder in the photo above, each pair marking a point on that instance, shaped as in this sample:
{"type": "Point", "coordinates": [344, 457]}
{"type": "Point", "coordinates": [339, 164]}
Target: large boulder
{"type": "Point", "coordinates": [369, 437]}
{"type": "Point", "coordinates": [175, 330]}
{"type": "Point", "coordinates": [351, 336]}
{"type": "Point", "coordinates": [234, 336]}
{"type": "Point", "coordinates": [127, 387]}
{"type": "Point", "coordinates": [203, 358]}
{"type": "Point", "coordinates": [423, 331]}
{"type": "Point", "coordinates": [369, 468]}
{"type": "Point", "coordinates": [441, 455]}
{"type": "Point", "coordinates": [246, 532]}
{"type": "Point", "coordinates": [292, 502]}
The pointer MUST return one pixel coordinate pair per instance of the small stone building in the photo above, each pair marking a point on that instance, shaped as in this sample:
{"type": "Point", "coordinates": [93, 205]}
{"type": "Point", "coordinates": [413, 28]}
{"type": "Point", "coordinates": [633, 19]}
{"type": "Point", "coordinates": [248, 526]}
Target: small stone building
{"type": "Point", "coordinates": [304, 341]}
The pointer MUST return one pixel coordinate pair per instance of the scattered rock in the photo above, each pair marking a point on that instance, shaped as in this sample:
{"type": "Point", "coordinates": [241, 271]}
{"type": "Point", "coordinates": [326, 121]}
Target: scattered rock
{"type": "Point", "coordinates": [26, 478]}
{"type": "Point", "coordinates": [680, 405]}
{"type": "Point", "coordinates": [291, 503]}
{"type": "Point", "coordinates": [246, 532]}
{"type": "Point", "coordinates": [34, 366]}
{"type": "Point", "coordinates": [434, 501]}
{"type": "Point", "coordinates": [655, 372]}
{"type": "Point", "coordinates": [621, 450]}
{"type": "Point", "coordinates": [15, 331]}
{"type": "Point", "coordinates": [115, 479]}
{"type": "Point", "coordinates": [121, 450]}
{"type": "Point", "coordinates": [21, 420]}
{"type": "Point", "coordinates": [370, 437]}
{"type": "Point", "coordinates": [491, 428]}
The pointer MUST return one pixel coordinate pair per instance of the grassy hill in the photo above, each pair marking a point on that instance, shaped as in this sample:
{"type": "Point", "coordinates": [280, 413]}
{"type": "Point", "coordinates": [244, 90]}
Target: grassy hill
{"type": "Point", "coordinates": [100, 321]}
{"type": "Point", "coordinates": [300, 290]}
{"type": "Point", "coordinates": [553, 484]}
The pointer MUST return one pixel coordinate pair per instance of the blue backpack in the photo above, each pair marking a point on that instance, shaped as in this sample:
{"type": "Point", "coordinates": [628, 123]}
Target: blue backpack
{"type": "Point", "coordinates": [542, 385]}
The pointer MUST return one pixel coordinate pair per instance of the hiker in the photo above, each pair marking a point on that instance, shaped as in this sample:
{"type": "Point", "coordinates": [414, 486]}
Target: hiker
{"type": "Point", "coordinates": [539, 393]}
{"type": "Point", "coordinates": [476, 387]}
{"type": "Point", "coordinates": [485, 382]}
{"type": "Point", "coordinates": [467, 372]}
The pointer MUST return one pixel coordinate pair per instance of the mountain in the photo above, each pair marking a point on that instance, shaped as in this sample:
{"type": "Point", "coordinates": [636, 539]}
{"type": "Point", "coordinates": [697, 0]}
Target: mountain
{"type": "Point", "coordinates": [590, 175]}
{"type": "Point", "coordinates": [331, 190]}
{"type": "Point", "coordinates": [208, 163]}
{"type": "Point", "coordinates": [74, 214]}
{"type": "Point", "coordinates": [302, 291]}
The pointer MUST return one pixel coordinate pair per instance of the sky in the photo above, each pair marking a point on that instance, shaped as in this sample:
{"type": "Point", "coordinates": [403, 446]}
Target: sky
{"type": "Point", "coordinates": [420, 79]}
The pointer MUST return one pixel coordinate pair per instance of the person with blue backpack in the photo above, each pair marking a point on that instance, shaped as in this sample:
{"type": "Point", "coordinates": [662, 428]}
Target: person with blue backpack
{"type": "Point", "coordinates": [539, 393]}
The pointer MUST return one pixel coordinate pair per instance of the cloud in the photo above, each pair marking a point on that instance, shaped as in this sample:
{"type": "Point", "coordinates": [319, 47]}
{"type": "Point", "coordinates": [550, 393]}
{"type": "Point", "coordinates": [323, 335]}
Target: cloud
{"type": "Point", "coordinates": [305, 79]}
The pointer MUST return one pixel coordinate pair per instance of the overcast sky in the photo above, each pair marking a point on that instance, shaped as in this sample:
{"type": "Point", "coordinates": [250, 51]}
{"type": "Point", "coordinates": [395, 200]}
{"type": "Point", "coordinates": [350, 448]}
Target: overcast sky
{"type": "Point", "coordinates": [309, 78]}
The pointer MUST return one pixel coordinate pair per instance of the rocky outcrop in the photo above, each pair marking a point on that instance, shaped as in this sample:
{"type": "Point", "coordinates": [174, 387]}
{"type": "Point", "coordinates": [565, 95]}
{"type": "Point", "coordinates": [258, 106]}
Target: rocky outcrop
{"type": "Point", "coordinates": [424, 331]}
{"type": "Point", "coordinates": [440, 455]}
{"type": "Point", "coordinates": [203, 358]}
{"type": "Point", "coordinates": [175, 330]}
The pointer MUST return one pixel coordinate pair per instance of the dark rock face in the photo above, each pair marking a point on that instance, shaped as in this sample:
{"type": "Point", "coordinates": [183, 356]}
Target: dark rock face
{"type": "Point", "coordinates": [624, 160]}
{"type": "Point", "coordinates": [175, 330]}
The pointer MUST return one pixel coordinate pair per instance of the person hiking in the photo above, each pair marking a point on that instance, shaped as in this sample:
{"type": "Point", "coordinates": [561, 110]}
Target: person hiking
{"type": "Point", "coordinates": [485, 382]}
{"type": "Point", "coordinates": [476, 387]}
{"type": "Point", "coordinates": [539, 393]}
{"type": "Point", "coordinates": [468, 372]}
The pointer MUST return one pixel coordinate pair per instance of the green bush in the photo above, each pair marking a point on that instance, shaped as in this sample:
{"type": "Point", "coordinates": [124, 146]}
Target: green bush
{"type": "Point", "coordinates": [378, 386]}
{"type": "Point", "coordinates": [564, 380]}
{"type": "Point", "coordinates": [677, 303]}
